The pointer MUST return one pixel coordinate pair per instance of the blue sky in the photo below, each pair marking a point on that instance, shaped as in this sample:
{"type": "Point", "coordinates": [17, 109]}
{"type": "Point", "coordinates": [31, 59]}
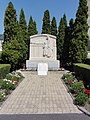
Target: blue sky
{"type": "Point", "coordinates": [36, 9]}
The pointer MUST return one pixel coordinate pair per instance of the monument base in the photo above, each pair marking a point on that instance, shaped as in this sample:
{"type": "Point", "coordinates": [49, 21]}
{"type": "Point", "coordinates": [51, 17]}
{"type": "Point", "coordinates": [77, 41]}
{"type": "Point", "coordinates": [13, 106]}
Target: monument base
{"type": "Point", "coordinates": [33, 64]}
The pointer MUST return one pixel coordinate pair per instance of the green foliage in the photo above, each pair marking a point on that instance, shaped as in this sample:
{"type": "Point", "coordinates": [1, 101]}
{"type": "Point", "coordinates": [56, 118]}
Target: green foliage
{"type": "Point", "coordinates": [16, 78]}
{"type": "Point", "coordinates": [23, 35]}
{"type": "Point", "coordinates": [82, 65]}
{"type": "Point", "coordinates": [81, 99]}
{"type": "Point", "coordinates": [53, 27]}
{"type": "Point", "coordinates": [1, 81]}
{"type": "Point", "coordinates": [46, 23]}
{"type": "Point", "coordinates": [8, 85]}
{"type": "Point", "coordinates": [9, 76]}
{"type": "Point", "coordinates": [32, 30]}
{"type": "Point", "coordinates": [77, 87]}
{"type": "Point", "coordinates": [68, 78]}
{"type": "Point", "coordinates": [61, 37]}
{"type": "Point", "coordinates": [67, 43]}
{"type": "Point", "coordinates": [4, 70]}
{"type": "Point", "coordinates": [35, 27]}
{"type": "Point", "coordinates": [15, 38]}
{"type": "Point", "coordinates": [79, 39]}
{"type": "Point", "coordinates": [7, 92]}
{"type": "Point", "coordinates": [10, 23]}
{"type": "Point", "coordinates": [84, 71]}
{"type": "Point", "coordinates": [23, 25]}
{"type": "Point", "coordinates": [2, 96]}
{"type": "Point", "coordinates": [78, 51]}
{"type": "Point", "coordinates": [14, 53]}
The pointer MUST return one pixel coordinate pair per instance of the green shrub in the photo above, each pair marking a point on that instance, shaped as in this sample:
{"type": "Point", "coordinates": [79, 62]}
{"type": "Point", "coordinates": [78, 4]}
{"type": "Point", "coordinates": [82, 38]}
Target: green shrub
{"type": "Point", "coordinates": [2, 96]}
{"type": "Point", "coordinates": [77, 87]}
{"type": "Point", "coordinates": [1, 81]}
{"type": "Point", "coordinates": [8, 85]}
{"type": "Point", "coordinates": [84, 71]}
{"type": "Point", "coordinates": [81, 99]}
{"type": "Point", "coordinates": [7, 92]}
{"type": "Point", "coordinates": [4, 70]}
{"type": "Point", "coordinates": [9, 76]}
{"type": "Point", "coordinates": [67, 78]}
{"type": "Point", "coordinates": [17, 78]}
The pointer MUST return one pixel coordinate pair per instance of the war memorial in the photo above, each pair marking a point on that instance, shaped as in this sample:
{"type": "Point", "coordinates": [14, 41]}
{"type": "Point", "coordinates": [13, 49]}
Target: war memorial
{"type": "Point", "coordinates": [43, 50]}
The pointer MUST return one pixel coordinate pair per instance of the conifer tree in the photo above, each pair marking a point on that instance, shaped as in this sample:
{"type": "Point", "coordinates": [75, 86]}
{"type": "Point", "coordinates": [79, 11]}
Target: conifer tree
{"type": "Point", "coordinates": [14, 53]}
{"type": "Point", "coordinates": [79, 41]}
{"type": "Point", "coordinates": [61, 36]}
{"type": "Point", "coordinates": [23, 25]}
{"type": "Point", "coordinates": [46, 23]}
{"type": "Point", "coordinates": [14, 46]}
{"type": "Point", "coordinates": [53, 27]}
{"type": "Point", "coordinates": [66, 46]}
{"type": "Point", "coordinates": [10, 23]}
{"type": "Point", "coordinates": [32, 30]}
{"type": "Point", "coordinates": [35, 27]}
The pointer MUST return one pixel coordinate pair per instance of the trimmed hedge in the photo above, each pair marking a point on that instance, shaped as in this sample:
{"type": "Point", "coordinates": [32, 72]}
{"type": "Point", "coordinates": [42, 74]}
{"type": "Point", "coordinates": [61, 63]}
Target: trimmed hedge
{"type": "Point", "coordinates": [4, 70]}
{"type": "Point", "coordinates": [83, 71]}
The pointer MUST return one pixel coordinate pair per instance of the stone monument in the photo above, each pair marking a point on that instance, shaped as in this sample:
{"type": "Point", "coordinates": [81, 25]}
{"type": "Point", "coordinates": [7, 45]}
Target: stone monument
{"type": "Point", "coordinates": [42, 50]}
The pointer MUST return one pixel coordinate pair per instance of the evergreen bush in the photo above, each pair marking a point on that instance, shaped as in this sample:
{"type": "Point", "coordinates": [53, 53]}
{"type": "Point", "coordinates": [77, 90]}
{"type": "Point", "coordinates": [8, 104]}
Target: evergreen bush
{"type": "Point", "coordinates": [4, 70]}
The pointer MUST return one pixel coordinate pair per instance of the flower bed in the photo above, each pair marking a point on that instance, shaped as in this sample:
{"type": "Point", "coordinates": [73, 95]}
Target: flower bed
{"type": "Point", "coordinates": [76, 88]}
{"type": "Point", "coordinates": [8, 84]}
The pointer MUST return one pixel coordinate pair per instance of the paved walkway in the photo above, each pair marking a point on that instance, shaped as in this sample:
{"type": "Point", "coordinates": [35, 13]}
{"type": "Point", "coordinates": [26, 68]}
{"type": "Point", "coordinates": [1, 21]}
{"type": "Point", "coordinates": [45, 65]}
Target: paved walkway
{"type": "Point", "coordinates": [39, 94]}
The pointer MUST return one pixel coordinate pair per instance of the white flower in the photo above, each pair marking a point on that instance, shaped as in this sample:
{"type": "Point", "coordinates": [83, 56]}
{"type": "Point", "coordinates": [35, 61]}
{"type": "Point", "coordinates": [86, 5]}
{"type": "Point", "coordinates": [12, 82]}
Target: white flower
{"type": "Point", "coordinates": [9, 80]}
{"type": "Point", "coordinates": [4, 96]}
{"type": "Point", "coordinates": [5, 80]}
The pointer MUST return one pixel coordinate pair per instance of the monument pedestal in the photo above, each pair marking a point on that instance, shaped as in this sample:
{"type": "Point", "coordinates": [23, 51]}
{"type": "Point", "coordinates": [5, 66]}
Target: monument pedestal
{"type": "Point", "coordinates": [33, 64]}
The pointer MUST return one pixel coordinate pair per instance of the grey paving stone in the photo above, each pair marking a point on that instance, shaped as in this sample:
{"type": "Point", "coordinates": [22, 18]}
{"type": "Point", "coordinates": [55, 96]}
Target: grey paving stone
{"type": "Point", "coordinates": [40, 94]}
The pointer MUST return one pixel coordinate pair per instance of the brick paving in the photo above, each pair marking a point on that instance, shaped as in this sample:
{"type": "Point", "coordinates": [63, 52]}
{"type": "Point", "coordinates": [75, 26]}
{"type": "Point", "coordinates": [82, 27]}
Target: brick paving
{"type": "Point", "coordinates": [40, 94]}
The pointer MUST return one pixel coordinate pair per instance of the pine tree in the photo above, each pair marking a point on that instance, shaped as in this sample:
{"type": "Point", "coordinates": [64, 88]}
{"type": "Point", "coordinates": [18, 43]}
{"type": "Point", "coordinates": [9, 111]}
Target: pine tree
{"type": "Point", "coordinates": [35, 27]}
{"type": "Point", "coordinates": [81, 20]}
{"type": "Point", "coordinates": [53, 27]}
{"type": "Point", "coordinates": [32, 30]}
{"type": "Point", "coordinates": [14, 53]}
{"type": "Point", "coordinates": [67, 44]}
{"type": "Point", "coordinates": [79, 42]}
{"type": "Point", "coordinates": [23, 25]}
{"type": "Point", "coordinates": [10, 23]}
{"type": "Point", "coordinates": [14, 46]}
{"type": "Point", "coordinates": [61, 37]}
{"type": "Point", "coordinates": [46, 23]}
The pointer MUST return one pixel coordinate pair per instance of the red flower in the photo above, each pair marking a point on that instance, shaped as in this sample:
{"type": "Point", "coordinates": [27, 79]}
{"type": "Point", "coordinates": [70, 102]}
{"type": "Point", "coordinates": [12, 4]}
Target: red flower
{"type": "Point", "coordinates": [86, 91]}
{"type": "Point", "coordinates": [70, 82]}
